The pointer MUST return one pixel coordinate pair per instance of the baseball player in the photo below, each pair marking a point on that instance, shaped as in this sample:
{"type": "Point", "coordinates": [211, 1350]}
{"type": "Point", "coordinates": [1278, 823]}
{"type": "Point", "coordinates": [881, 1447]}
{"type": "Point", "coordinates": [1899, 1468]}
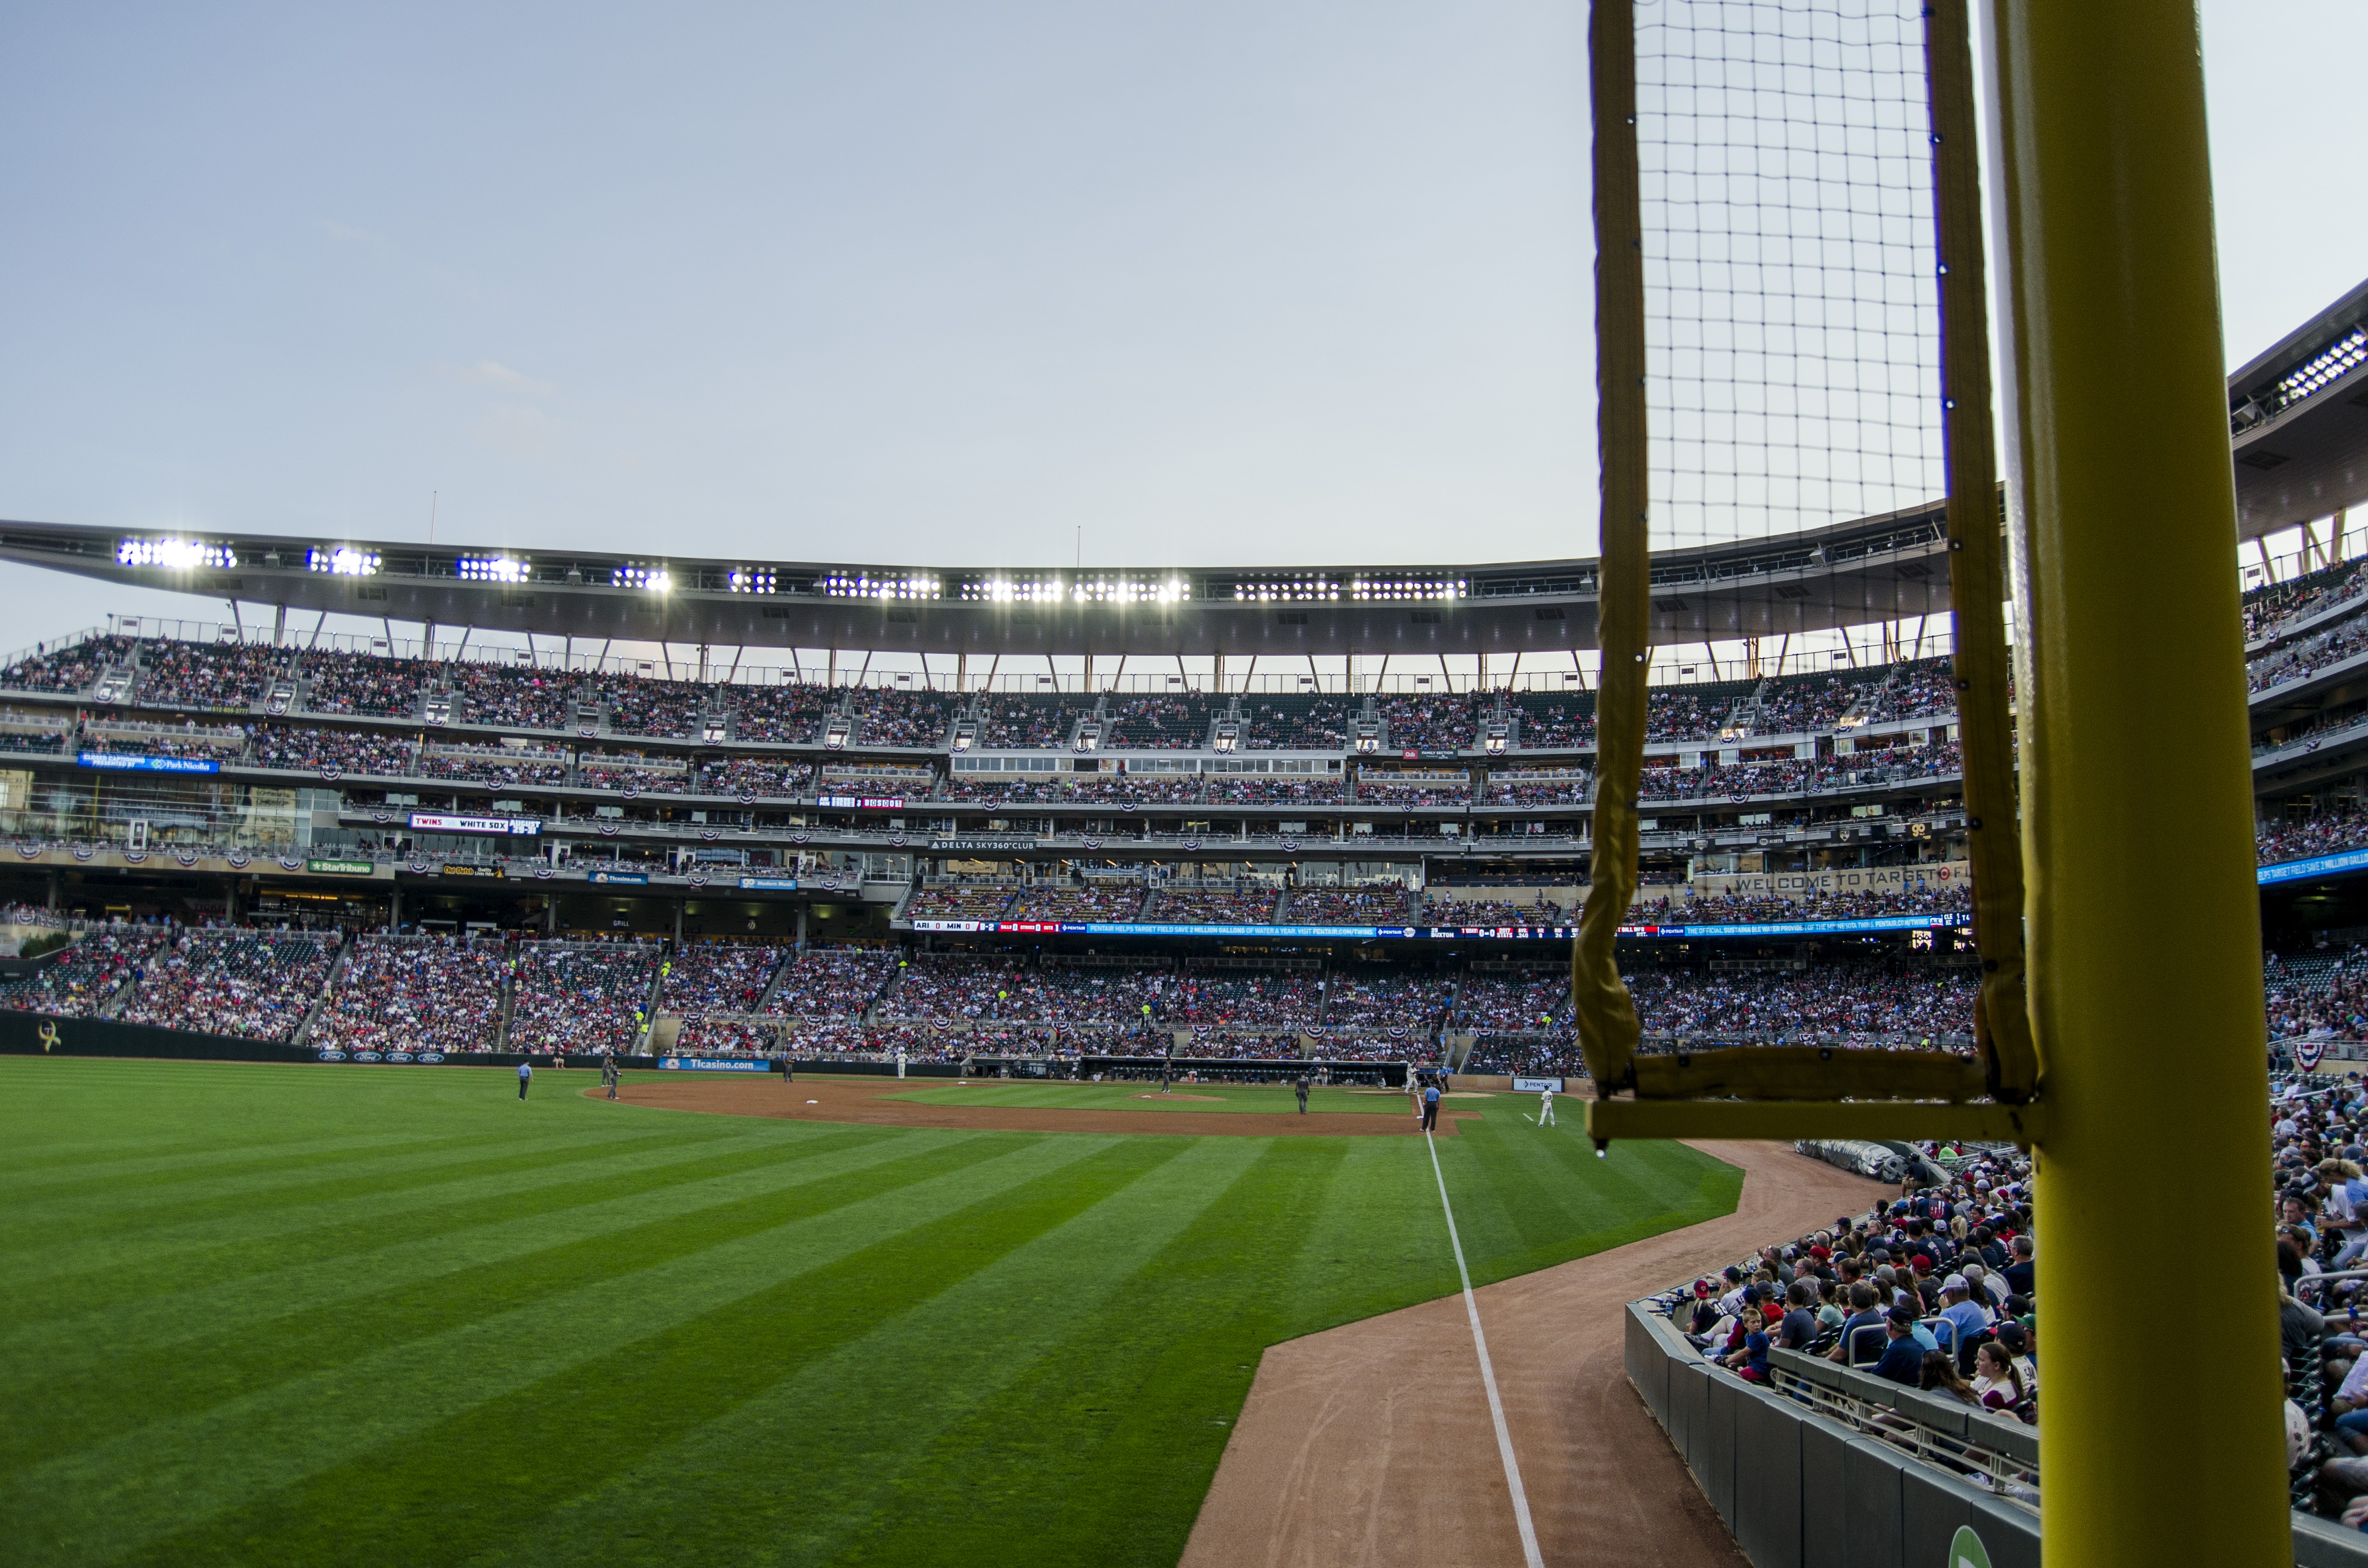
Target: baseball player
{"type": "Point", "coordinates": [1545, 1106]}
{"type": "Point", "coordinates": [526, 1076]}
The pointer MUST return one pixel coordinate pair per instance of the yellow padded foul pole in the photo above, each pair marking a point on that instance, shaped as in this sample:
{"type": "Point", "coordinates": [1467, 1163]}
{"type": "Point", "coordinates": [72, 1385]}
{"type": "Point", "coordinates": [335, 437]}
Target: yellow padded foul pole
{"type": "Point", "coordinates": [2144, 919]}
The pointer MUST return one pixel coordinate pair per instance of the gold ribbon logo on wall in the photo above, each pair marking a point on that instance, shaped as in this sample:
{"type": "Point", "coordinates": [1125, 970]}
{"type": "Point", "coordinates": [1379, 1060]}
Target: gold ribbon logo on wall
{"type": "Point", "coordinates": [48, 1035]}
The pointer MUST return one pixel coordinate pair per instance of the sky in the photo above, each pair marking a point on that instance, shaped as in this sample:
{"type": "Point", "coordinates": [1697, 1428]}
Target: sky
{"type": "Point", "coordinates": [913, 282]}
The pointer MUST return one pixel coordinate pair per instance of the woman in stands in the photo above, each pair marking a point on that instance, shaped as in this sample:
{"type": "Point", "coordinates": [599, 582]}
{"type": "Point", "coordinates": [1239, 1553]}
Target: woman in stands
{"type": "Point", "coordinates": [1940, 1376]}
{"type": "Point", "coordinates": [1997, 1381]}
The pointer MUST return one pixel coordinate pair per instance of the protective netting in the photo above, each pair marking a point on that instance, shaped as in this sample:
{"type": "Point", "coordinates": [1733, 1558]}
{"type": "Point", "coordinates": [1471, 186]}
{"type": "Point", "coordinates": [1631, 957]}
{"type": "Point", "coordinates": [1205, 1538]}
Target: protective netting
{"type": "Point", "coordinates": [1791, 322]}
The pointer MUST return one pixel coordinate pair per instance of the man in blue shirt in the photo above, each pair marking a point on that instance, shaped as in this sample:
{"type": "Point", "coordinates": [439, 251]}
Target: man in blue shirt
{"type": "Point", "coordinates": [525, 1073]}
{"type": "Point", "coordinates": [1431, 1107]}
{"type": "Point", "coordinates": [1903, 1357]}
{"type": "Point", "coordinates": [1969, 1316]}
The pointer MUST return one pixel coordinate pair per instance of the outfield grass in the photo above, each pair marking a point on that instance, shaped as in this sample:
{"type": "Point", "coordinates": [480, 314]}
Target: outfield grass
{"type": "Point", "coordinates": [1275, 1101]}
{"type": "Point", "coordinates": [369, 1315]}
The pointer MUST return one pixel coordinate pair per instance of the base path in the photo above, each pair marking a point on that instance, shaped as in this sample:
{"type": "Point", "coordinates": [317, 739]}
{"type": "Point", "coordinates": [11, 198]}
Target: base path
{"type": "Point", "coordinates": [882, 1102]}
{"type": "Point", "coordinates": [1370, 1444]}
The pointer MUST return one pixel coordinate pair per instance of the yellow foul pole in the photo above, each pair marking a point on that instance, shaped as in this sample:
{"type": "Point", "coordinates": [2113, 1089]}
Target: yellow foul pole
{"type": "Point", "coordinates": [2142, 913]}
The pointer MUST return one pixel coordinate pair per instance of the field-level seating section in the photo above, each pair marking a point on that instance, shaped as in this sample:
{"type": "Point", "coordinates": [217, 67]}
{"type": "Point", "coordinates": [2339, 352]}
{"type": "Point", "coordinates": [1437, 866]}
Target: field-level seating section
{"type": "Point", "coordinates": [254, 985]}
{"type": "Point", "coordinates": [583, 998]}
{"type": "Point", "coordinates": [415, 994]}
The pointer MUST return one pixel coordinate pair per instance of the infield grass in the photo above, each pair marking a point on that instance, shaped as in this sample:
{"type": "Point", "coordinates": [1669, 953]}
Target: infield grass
{"type": "Point", "coordinates": [367, 1315]}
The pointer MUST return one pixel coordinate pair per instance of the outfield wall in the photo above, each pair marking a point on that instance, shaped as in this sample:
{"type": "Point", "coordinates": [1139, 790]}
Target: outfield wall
{"type": "Point", "coordinates": [1797, 1490]}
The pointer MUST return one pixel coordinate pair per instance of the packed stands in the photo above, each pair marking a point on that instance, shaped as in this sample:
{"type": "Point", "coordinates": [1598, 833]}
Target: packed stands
{"type": "Point", "coordinates": [832, 982]}
{"type": "Point", "coordinates": [1284, 1000]}
{"type": "Point", "coordinates": [1157, 723]}
{"type": "Point", "coordinates": [1509, 1002]}
{"type": "Point", "coordinates": [415, 994]}
{"type": "Point", "coordinates": [753, 776]}
{"type": "Point", "coordinates": [2297, 661]}
{"type": "Point", "coordinates": [76, 983]}
{"type": "Point", "coordinates": [524, 699]}
{"type": "Point", "coordinates": [200, 674]}
{"type": "Point", "coordinates": [1371, 999]}
{"type": "Point", "coordinates": [36, 733]}
{"type": "Point", "coordinates": [890, 717]}
{"type": "Point", "coordinates": [580, 997]}
{"type": "Point", "coordinates": [1155, 789]}
{"type": "Point", "coordinates": [365, 685]}
{"type": "Point", "coordinates": [1540, 787]}
{"type": "Point", "coordinates": [1273, 789]}
{"type": "Point", "coordinates": [718, 977]}
{"type": "Point", "coordinates": [1396, 786]}
{"type": "Point", "coordinates": [1437, 721]}
{"type": "Point", "coordinates": [251, 984]}
{"type": "Point", "coordinates": [1551, 719]}
{"type": "Point", "coordinates": [2325, 831]}
{"type": "Point", "coordinates": [632, 770]}
{"type": "Point", "coordinates": [1064, 995]}
{"type": "Point", "coordinates": [2275, 605]}
{"type": "Point", "coordinates": [223, 743]}
{"type": "Point", "coordinates": [493, 764]}
{"type": "Point", "coordinates": [1295, 723]}
{"type": "Point", "coordinates": [1385, 904]}
{"type": "Point", "coordinates": [312, 748]}
{"type": "Point", "coordinates": [1023, 722]}
{"type": "Point", "coordinates": [959, 901]}
{"type": "Point", "coordinates": [1936, 898]}
{"type": "Point", "coordinates": [1691, 712]}
{"type": "Point", "coordinates": [1801, 704]}
{"type": "Point", "coordinates": [1923, 690]}
{"type": "Point", "coordinates": [1213, 906]}
{"type": "Point", "coordinates": [2321, 993]}
{"type": "Point", "coordinates": [1042, 901]}
{"type": "Point", "coordinates": [1879, 1001]}
{"type": "Point", "coordinates": [1002, 787]}
{"type": "Point", "coordinates": [71, 668]}
{"type": "Point", "coordinates": [663, 710]}
{"type": "Point", "coordinates": [779, 714]}
{"type": "Point", "coordinates": [1491, 912]}
{"type": "Point", "coordinates": [933, 985]}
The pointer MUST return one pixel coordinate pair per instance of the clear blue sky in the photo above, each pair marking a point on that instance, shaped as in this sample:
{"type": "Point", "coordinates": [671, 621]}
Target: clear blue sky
{"type": "Point", "coordinates": [903, 282]}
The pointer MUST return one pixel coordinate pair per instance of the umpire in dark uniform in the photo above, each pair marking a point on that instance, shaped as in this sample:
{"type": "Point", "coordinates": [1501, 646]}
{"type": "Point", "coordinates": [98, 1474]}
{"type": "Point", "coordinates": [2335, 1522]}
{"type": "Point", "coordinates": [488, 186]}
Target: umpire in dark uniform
{"type": "Point", "coordinates": [1302, 1087]}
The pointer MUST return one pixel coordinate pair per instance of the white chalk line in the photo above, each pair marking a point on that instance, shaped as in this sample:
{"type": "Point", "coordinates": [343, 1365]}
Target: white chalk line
{"type": "Point", "coordinates": [1488, 1375]}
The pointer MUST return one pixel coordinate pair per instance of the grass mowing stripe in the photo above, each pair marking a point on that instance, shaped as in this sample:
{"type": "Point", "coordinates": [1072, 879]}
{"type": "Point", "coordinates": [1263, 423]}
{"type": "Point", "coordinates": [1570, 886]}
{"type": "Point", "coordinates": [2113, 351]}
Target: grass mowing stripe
{"type": "Point", "coordinates": [847, 1423]}
{"type": "Point", "coordinates": [199, 1155]}
{"type": "Point", "coordinates": [200, 1251]}
{"type": "Point", "coordinates": [502, 1224]}
{"type": "Point", "coordinates": [1133, 1416]}
{"type": "Point", "coordinates": [103, 1396]}
{"type": "Point", "coordinates": [161, 1202]}
{"type": "Point", "coordinates": [599, 1416]}
{"type": "Point", "coordinates": [1275, 1100]}
{"type": "Point", "coordinates": [369, 1417]}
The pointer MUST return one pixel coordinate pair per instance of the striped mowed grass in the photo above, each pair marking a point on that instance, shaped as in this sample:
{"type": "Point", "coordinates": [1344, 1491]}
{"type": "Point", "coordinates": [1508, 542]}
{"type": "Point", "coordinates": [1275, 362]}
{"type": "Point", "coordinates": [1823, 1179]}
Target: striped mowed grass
{"type": "Point", "coordinates": [393, 1315]}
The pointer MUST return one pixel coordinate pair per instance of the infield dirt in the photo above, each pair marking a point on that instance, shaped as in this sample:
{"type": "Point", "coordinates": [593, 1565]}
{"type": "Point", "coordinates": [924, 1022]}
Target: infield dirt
{"type": "Point", "coordinates": [882, 1102]}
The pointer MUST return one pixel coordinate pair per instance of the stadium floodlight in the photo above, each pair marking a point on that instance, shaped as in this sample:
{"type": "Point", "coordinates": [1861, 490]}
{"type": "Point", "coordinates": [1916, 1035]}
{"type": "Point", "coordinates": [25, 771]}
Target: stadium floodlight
{"type": "Point", "coordinates": [751, 580]}
{"type": "Point", "coordinates": [492, 569]}
{"type": "Point", "coordinates": [853, 584]}
{"type": "Point", "coordinates": [654, 579]}
{"type": "Point", "coordinates": [1431, 588]}
{"type": "Point", "coordinates": [174, 555]}
{"type": "Point", "coordinates": [342, 560]}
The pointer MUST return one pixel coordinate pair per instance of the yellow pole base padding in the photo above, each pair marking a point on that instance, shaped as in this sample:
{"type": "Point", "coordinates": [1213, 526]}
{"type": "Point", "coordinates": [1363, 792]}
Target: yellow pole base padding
{"type": "Point", "coordinates": [1808, 1073]}
{"type": "Point", "coordinates": [1786, 1120]}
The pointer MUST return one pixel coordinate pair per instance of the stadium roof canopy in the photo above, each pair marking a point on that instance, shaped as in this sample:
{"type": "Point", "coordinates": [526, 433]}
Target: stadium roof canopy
{"type": "Point", "coordinates": [1876, 569]}
{"type": "Point", "coordinates": [2298, 418]}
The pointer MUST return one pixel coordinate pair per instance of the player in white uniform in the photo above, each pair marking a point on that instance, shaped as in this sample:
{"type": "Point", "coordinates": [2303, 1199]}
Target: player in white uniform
{"type": "Point", "coordinates": [1545, 1106]}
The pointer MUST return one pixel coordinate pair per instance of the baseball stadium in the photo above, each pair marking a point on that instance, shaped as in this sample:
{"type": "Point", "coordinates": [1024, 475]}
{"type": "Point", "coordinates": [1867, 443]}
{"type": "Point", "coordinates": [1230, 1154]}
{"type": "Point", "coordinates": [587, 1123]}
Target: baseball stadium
{"type": "Point", "coordinates": [518, 1053]}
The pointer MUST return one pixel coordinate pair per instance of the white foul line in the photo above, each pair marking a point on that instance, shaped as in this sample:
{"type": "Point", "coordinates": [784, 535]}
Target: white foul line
{"type": "Point", "coordinates": [1489, 1376]}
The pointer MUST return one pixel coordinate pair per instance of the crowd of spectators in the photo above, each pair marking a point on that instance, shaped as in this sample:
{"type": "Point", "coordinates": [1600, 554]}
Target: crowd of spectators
{"type": "Point", "coordinates": [959, 901]}
{"type": "Point", "coordinates": [1213, 906]}
{"type": "Point", "coordinates": [514, 696]}
{"type": "Point", "coordinates": [205, 675]}
{"type": "Point", "coordinates": [1550, 720]}
{"type": "Point", "coordinates": [1925, 690]}
{"type": "Point", "coordinates": [779, 714]}
{"type": "Point", "coordinates": [1429, 721]}
{"type": "Point", "coordinates": [1281, 1000]}
{"type": "Point", "coordinates": [1688, 713]}
{"type": "Point", "coordinates": [366, 685]}
{"type": "Point", "coordinates": [1002, 787]}
{"type": "Point", "coordinates": [2310, 656]}
{"type": "Point", "coordinates": [70, 667]}
{"type": "Point", "coordinates": [1295, 723]}
{"type": "Point", "coordinates": [37, 733]}
{"type": "Point", "coordinates": [1540, 787]}
{"type": "Point", "coordinates": [584, 998]}
{"type": "Point", "coordinates": [1382, 904]}
{"type": "Point", "coordinates": [222, 743]}
{"type": "Point", "coordinates": [631, 770]}
{"type": "Point", "coordinates": [935, 985]}
{"type": "Point", "coordinates": [1111, 995]}
{"type": "Point", "coordinates": [2274, 606]}
{"type": "Point", "coordinates": [1793, 705]}
{"type": "Point", "coordinates": [1388, 787]}
{"type": "Point", "coordinates": [1272, 789]}
{"type": "Point", "coordinates": [1539, 911]}
{"type": "Point", "coordinates": [763, 776]}
{"type": "Point", "coordinates": [1148, 788]}
{"type": "Point", "coordinates": [415, 994]}
{"type": "Point", "coordinates": [1929, 898]}
{"type": "Point", "coordinates": [2325, 831]}
{"type": "Point", "coordinates": [1049, 901]}
{"type": "Point", "coordinates": [653, 706]}
{"type": "Point", "coordinates": [1507, 1003]}
{"type": "Point", "coordinates": [832, 983]}
{"type": "Point", "coordinates": [2321, 995]}
{"type": "Point", "coordinates": [1370, 1001]}
{"type": "Point", "coordinates": [1157, 723]}
{"type": "Point", "coordinates": [493, 764]}
{"type": "Point", "coordinates": [1876, 1001]}
{"type": "Point", "coordinates": [251, 985]}
{"type": "Point", "coordinates": [707, 978]}
{"type": "Point", "coordinates": [83, 976]}
{"type": "Point", "coordinates": [311, 747]}
{"type": "Point", "coordinates": [889, 716]}
{"type": "Point", "coordinates": [1016, 721]}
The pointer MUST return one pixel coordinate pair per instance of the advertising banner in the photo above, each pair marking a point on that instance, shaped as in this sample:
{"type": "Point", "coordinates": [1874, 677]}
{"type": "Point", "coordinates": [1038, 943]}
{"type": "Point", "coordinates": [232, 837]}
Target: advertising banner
{"type": "Point", "coordinates": [340, 868]}
{"type": "Point", "coordinates": [2317, 866]}
{"type": "Point", "coordinates": [622, 878]}
{"type": "Point", "coordinates": [127, 762]}
{"type": "Point", "coordinates": [863, 802]}
{"type": "Point", "coordinates": [701, 1065]}
{"type": "Point", "coordinates": [769, 884]}
{"type": "Point", "coordinates": [1536, 1085]}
